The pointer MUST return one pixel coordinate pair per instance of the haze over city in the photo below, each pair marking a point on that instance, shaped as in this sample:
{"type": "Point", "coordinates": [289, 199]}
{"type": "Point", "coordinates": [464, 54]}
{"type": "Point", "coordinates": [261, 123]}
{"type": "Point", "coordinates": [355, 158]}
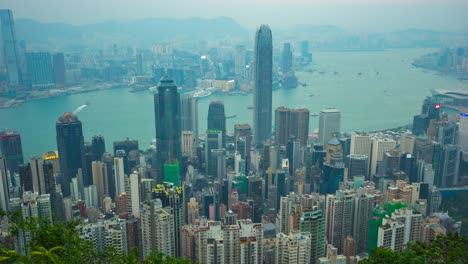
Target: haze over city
{"type": "Point", "coordinates": [360, 15]}
{"type": "Point", "coordinates": [234, 132]}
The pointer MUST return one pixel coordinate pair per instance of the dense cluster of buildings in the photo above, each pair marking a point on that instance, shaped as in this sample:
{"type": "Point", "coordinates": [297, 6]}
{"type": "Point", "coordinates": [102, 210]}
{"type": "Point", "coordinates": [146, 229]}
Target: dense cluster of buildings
{"type": "Point", "coordinates": [256, 195]}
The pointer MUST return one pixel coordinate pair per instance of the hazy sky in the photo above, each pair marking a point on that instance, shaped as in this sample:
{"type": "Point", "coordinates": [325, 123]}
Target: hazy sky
{"type": "Point", "coordinates": [359, 15]}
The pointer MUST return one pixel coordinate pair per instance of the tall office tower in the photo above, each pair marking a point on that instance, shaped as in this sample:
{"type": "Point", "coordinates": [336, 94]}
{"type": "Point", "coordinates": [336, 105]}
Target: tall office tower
{"type": "Point", "coordinates": [55, 197]}
{"type": "Point", "coordinates": [90, 196]}
{"type": "Point", "coordinates": [193, 211]}
{"type": "Point", "coordinates": [329, 124]}
{"type": "Point", "coordinates": [463, 131]}
{"type": "Point", "coordinates": [214, 140]}
{"type": "Point", "coordinates": [239, 61]}
{"type": "Point", "coordinates": [340, 208]}
{"type": "Point", "coordinates": [157, 225]}
{"type": "Point", "coordinates": [132, 191]}
{"type": "Point", "coordinates": [129, 151]}
{"type": "Point", "coordinates": [333, 168]}
{"type": "Point", "coordinates": [70, 145]}
{"type": "Point", "coordinates": [293, 122]}
{"type": "Point", "coordinates": [98, 147]}
{"type": "Point", "coordinates": [119, 175]}
{"type": "Point", "coordinates": [37, 173]}
{"type": "Point", "coordinates": [188, 144]}
{"type": "Point", "coordinates": [139, 64]}
{"type": "Point", "coordinates": [448, 133]}
{"type": "Point", "coordinates": [10, 47]}
{"type": "Point", "coordinates": [305, 54]}
{"type": "Point", "coordinates": [361, 144]}
{"type": "Point", "coordinates": [26, 180]}
{"type": "Point", "coordinates": [313, 221]}
{"type": "Point", "coordinates": [40, 70]}
{"type": "Point", "coordinates": [407, 142]}
{"type": "Point", "coordinates": [244, 131]}
{"type": "Point", "coordinates": [10, 145]}
{"type": "Point", "coordinates": [293, 248]}
{"type": "Point", "coordinates": [350, 250]}
{"type": "Point", "coordinates": [173, 197]}
{"type": "Point", "coordinates": [357, 165]}
{"type": "Point", "coordinates": [100, 179]}
{"type": "Point", "coordinates": [287, 59]}
{"type": "Point", "coordinates": [58, 63]}
{"type": "Point", "coordinates": [217, 119]}
{"type": "Point", "coordinates": [108, 160]}
{"type": "Point", "coordinates": [391, 234]}
{"type": "Point", "coordinates": [189, 114]}
{"type": "Point", "coordinates": [363, 204]}
{"type": "Point", "coordinates": [263, 78]}
{"type": "Point", "coordinates": [379, 146]}
{"type": "Point", "coordinates": [412, 222]}
{"type": "Point", "coordinates": [255, 191]}
{"type": "Point", "coordinates": [449, 164]}
{"type": "Point", "coordinates": [168, 124]}
{"type": "Point", "coordinates": [107, 233]}
{"type": "Point", "coordinates": [4, 185]}
{"type": "Point", "coordinates": [332, 256]}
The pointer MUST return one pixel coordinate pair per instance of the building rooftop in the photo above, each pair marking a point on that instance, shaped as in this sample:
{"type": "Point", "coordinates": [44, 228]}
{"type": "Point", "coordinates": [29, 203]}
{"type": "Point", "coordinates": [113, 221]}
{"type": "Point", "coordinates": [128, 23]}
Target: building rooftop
{"type": "Point", "coordinates": [68, 117]}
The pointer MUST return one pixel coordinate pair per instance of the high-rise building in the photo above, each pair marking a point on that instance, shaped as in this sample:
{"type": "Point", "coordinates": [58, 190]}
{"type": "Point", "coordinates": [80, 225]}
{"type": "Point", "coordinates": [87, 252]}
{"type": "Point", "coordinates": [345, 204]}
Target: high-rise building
{"type": "Point", "coordinates": [213, 141]}
{"type": "Point", "coordinates": [293, 248]}
{"type": "Point", "coordinates": [119, 176]}
{"type": "Point", "coordinates": [287, 58]}
{"type": "Point", "coordinates": [463, 131]}
{"type": "Point", "coordinates": [293, 122]}
{"type": "Point", "coordinates": [37, 173]}
{"type": "Point", "coordinates": [363, 205]}
{"type": "Point", "coordinates": [243, 134]}
{"type": "Point", "coordinates": [449, 164]}
{"type": "Point", "coordinates": [217, 119]}
{"type": "Point", "coordinates": [357, 165]}
{"type": "Point", "coordinates": [379, 146]}
{"type": "Point", "coordinates": [333, 168]}
{"type": "Point", "coordinates": [98, 147]}
{"type": "Point", "coordinates": [168, 124]}
{"type": "Point", "coordinates": [58, 63]}
{"type": "Point", "coordinates": [361, 144]}
{"type": "Point", "coordinates": [10, 47]}
{"type": "Point", "coordinates": [329, 124]}
{"type": "Point", "coordinates": [189, 114]}
{"type": "Point", "coordinates": [70, 145]}
{"type": "Point", "coordinates": [391, 234]}
{"type": "Point", "coordinates": [412, 222]}
{"type": "Point", "coordinates": [263, 78]}
{"type": "Point", "coordinates": [10, 146]}
{"type": "Point", "coordinates": [107, 233]}
{"type": "Point", "coordinates": [239, 61]}
{"type": "Point", "coordinates": [129, 151]}
{"type": "Point", "coordinates": [407, 143]}
{"type": "Point", "coordinates": [25, 175]}
{"type": "Point", "coordinates": [157, 225]}
{"type": "Point", "coordinates": [4, 185]}
{"type": "Point", "coordinates": [188, 144]}
{"type": "Point", "coordinates": [100, 179]}
{"type": "Point", "coordinates": [55, 197]}
{"type": "Point", "coordinates": [40, 70]}
{"type": "Point", "coordinates": [132, 192]}
{"type": "Point", "coordinates": [332, 256]}
{"type": "Point", "coordinates": [340, 209]}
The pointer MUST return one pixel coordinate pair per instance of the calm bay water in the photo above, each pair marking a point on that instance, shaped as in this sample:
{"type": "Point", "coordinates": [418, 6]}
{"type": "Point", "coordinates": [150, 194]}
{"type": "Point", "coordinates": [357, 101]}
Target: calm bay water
{"type": "Point", "coordinates": [387, 94]}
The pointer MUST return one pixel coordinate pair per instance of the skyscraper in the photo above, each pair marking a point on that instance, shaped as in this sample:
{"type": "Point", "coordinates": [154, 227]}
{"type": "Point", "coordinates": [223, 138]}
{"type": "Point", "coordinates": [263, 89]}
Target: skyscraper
{"type": "Point", "coordinates": [243, 134]}
{"type": "Point", "coordinates": [293, 248]}
{"type": "Point", "coordinates": [10, 145]}
{"type": "Point", "coordinates": [168, 125]}
{"type": "Point", "coordinates": [189, 114]}
{"type": "Point", "coordinates": [98, 147]}
{"type": "Point", "coordinates": [239, 61]}
{"type": "Point", "coordinates": [40, 70]}
{"type": "Point", "coordinates": [463, 131]}
{"type": "Point", "coordinates": [10, 47]}
{"type": "Point", "coordinates": [58, 64]}
{"type": "Point", "coordinates": [340, 208]}
{"type": "Point", "coordinates": [329, 124]}
{"type": "Point", "coordinates": [263, 78]}
{"type": "Point", "coordinates": [188, 144]}
{"type": "Point", "coordinates": [100, 176]}
{"type": "Point", "coordinates": [291, 122]}
{"type": "Point", "coordinates": [70, 145]}
{"type": "Point", "coordinates": [4, 186]}
{"type": "Point", "coordinates": [217, 119]}
{"type": "Point", "coordinates": [287, 58]}
{"type": "Point", "coordinates": [379, 146]}
{"type": "Point", "coordinates": [128, 150]}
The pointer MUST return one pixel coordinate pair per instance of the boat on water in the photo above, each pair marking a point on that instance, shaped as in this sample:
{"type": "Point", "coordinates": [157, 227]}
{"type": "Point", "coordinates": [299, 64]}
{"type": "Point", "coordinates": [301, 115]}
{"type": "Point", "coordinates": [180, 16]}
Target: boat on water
{"type": "Point", "coordinates": [250, 107]}
{"type": "Point", "coordinates": [231, 116]}
{"type": "Point", "coordinates": [335, 73]}
{"type": "Point", "coordinates": [202, 93]}
{"type": "Point", "coordinates": [322, 72]}
{"type": "Point", "coordinates": [360, 73]}
{"type": "Point", "coordinates": [139, 88]}
{"type": "Point", "coordinates": [310, 95]}
{"type": "Point", "coordinates": [313, 114]}
{"type": "Point", "coordinates": [304, 84]}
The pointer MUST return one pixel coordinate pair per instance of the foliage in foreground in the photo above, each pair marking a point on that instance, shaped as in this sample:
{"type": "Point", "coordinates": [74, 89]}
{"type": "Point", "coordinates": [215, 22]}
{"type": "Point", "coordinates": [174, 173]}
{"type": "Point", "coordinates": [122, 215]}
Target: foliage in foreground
{"type": "Point", "coordinates": [444, 249]}
{"type": "Point", "coordinates": [60, 243]}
